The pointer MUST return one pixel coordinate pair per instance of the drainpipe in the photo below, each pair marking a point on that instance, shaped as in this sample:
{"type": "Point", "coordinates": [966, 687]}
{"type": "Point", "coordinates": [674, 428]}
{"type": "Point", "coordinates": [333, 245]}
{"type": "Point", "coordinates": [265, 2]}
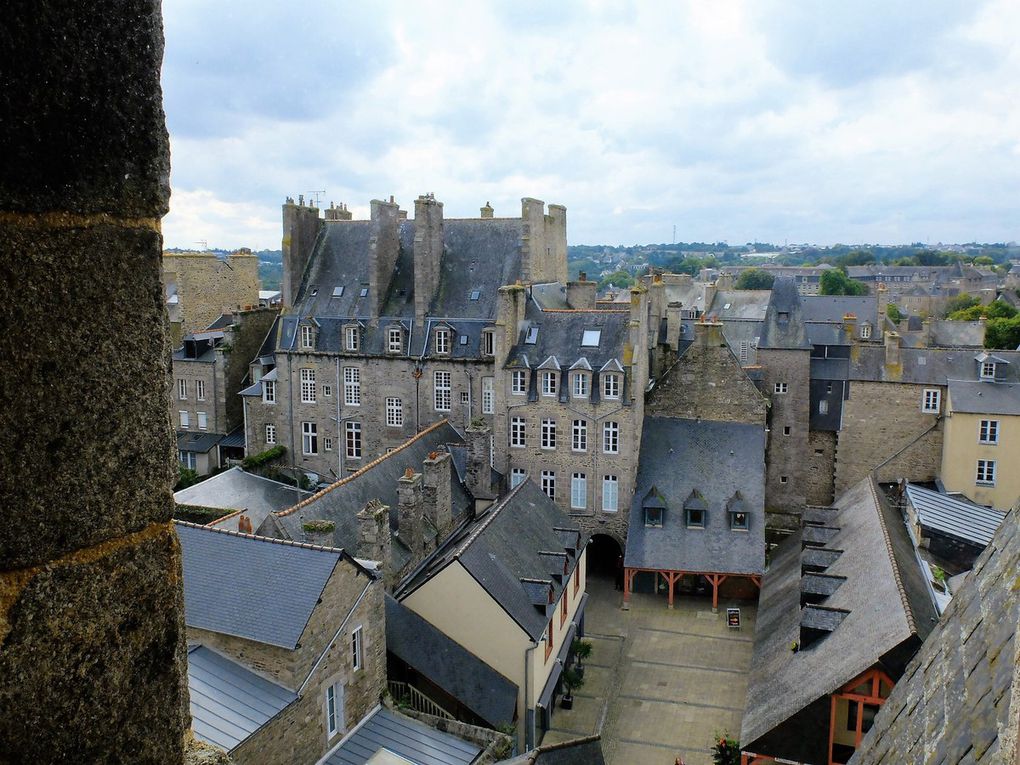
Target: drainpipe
{"type": "Point", "coordinates": [529, 728]}
{"type": "Point", "coordinates": [244, 411]}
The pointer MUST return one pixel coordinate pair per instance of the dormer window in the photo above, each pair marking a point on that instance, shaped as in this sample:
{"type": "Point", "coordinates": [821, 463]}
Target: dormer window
{"type": "Point", "coordinates": [653, 517]}
{"type": "Point", "coordinates": [610, 385]}
{"type": "Point", "coordinates": [307, 336]}
{"type": "Point", "coordinates": [352, 338]}
{"type": "Point", "coordinates": [987, 370]}
{"type": "Point", "coordinates": [394, 340]}
{"type": "Point", "coordinates": [654, 508]}
{"type": "Point", "coordinates": [518, 382]}
{"type": "Point", "coordinates": [550, 383]}
{"type": "Point", "coordinates": [738, 520]}
{"type": "Point", "coordinates": [443, 341]}
{"type": "Point", "coordinates": [695, 517]}
{"type": "Point", "coordinates": [865, 331]}
{"type": "Point", "coordinates": [579, 385]}
{"type": "Point", "coordinates": [488, 343]}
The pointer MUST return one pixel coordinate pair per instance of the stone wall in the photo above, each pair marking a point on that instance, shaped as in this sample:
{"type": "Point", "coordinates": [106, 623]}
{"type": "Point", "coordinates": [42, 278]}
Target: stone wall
{"type": "Point", "coordinates": [213, 404]}
{"type": "Point", "coordinates": [880, 420]}
{"type": "Point", "coordinates": [208, 286]}
{"type": "Point", "coordinates": [786, 481]}
{"type": "Point", "coordinates": [820, 469]}
{"type": "Point", "coordinates": [243, 342]}
{"type": "Point", "coordinates": [91, 612]}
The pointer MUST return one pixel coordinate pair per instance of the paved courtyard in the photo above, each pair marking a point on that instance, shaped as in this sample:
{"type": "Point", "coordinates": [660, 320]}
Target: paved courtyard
{"type": "Point", "coordinates": [659, 683]}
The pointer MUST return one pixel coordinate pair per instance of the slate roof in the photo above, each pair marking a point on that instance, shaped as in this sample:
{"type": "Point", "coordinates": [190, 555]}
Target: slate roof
{"type": "Point", "coordinates": [449, 665]}
{"type": "Point", "coordinates": [884, 592]}
{"type": "Point", "coordinates": [716, 460]}
{"type": "Point", "coordinates": [229, 702]}
{"type": "Point", "coordinates": [250, 587]}
{"type": "Point", "coordinates": [579, 751]}
{"type": "Point", "coordinates": [984, 397]}
{"type": "Point", "coordinates": [739, 305]}
{"type": "Point", "coordinates": [924, 366]}
{"type": "Point", "coordinates": [235, 489]}
{"type": "Point", "coordinates": [343, 500]}
{"type": "Point", "coordinates": [954, 516]}
{"type": "Point", "coordinates": [955, 702]}
{"type": "Point", "coordinates": [412, 740]}
{"type": "Point", "coordinates": [958, 334]}
{"type": "Point", "coordinates": [832, 308]}
{"type": "Point", "coordinates": [783, 327]}
{"type": "Point", "coordinates": [503, 547]}
{"type": "Point", "coordinates": [199, 442]}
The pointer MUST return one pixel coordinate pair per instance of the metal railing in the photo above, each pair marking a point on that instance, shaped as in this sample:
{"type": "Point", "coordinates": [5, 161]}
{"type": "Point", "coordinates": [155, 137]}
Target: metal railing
{"type": "Point", "coordinates": [403, 693]}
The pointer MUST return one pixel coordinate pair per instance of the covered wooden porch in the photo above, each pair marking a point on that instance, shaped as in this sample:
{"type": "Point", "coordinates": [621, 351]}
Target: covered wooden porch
{"type": "Point", "coordinates": [670, 578]}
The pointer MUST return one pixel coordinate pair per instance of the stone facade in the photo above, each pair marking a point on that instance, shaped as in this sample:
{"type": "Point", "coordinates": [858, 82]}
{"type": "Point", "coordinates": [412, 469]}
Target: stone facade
{"type": "Point", "coordinates": [820, 474]}
{"type": "Point", "coordinates": [207, 286]}
{"type": "Point", "coordinates": [786, 375]}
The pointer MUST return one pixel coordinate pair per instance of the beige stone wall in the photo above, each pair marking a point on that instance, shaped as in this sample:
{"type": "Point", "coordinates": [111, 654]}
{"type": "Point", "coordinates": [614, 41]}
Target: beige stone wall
{"type": "Point", "coordinates": [786, 483]}
{"type": "Point", "coordinates": [820, 470]}
{"type": "Point", "coordinates": [962, 449]}
{"type": "Point", "coordinates": [208, 286]}
{"type": "Point", "coordinates": [214, 403]}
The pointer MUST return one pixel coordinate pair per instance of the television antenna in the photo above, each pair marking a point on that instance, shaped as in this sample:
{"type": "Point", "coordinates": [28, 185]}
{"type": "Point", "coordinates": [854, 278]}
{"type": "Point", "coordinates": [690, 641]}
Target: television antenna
{"type": "Point", "coordinates": [203, 243]}
{"type": "Point", "coordinates": [316, 192]}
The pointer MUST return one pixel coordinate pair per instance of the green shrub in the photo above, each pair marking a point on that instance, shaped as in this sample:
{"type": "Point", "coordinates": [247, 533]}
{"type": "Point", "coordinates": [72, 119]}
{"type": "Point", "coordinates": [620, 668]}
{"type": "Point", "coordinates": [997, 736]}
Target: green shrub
{"type": "Point", "coordinates": [261, 459]}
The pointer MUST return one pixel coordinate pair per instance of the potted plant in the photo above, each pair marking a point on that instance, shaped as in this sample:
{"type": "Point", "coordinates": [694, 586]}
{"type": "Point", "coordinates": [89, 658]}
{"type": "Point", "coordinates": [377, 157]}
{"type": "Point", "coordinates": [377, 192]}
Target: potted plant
{"type": "Point", "coordinates": [572, 681]}
{"type": "Point", "coordinates": [581, 650]}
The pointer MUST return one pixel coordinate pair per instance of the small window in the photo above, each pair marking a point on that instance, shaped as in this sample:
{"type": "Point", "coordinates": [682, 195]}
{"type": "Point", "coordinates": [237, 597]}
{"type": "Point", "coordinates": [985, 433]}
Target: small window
{"type": "Point", "coordinates": [653, 517]}
{"type": "Point", "coordinates": [578, 491]}
{"type": "Point", "coordinates": [463, 339]}
{"type": "Point", "coordinates": [988, 370]}
{"type": "Point", "coordinates": [988, 432]}
{"type": "Point", "coordinates": [738, 521]}
{"type": "Point", "coordinates": [610, 385]}
{"type": "Point", "coordinates": [780, 387]}
{"type": "Point", "coordinates": [307, 336]}
{"type": "Point", "coordinates": [394, 412]}
{"type": "Point", "coordinates": [488, 343]}
{"type": "Point", "coordinates": [200, 390]}
{"type": "Point", "coordinates": [475, 294]}
{"type": "Point", "coordinates": [270, 434]}
{"type": "Point", "coordinates": [352, 337]}
{"type": "Point", "coordinates": [364, 292]}
{"type": "Point", "coordinates": [352, 436]}
{"type": "Point", "coordinates": [203, 421]}
{"type": "Point", "coordinates": [465, 397]}
{"type": "Point", "coordinates": [357, 649]}
{"type": "Point", "coordinates": [314, 291]}
{"type": "Point", "coordinates": [783, 479]}
{"type": "Point", "coordinates": [327, 444]}
{"type": "Point", "coordinates": [986, 472]}
{"type": "Point", "coordinates": [550, 382]}
{"type": "Point", "coordinates": [932, 401]}
{"type": "Point", "coordinates": [590, 338]}
{"type": "Point", "coordinates": [442, 341]}
{"type": "Point", "coordinates": [823, 407]}
{"type": "Point", "coordinates": [695, 517]}
{"type": "Point", "coordinates": [338, 292]}
{"type": "Point", "coordinates": [579, 436]}
{"type": "Point", "coordinates": [488, 396]}
{"type": "Point", "coordinates": [182, 390]}
{"type": "Point", "coordinates": [334, 709]}
{"type": "Point", "coordinates": [865, 331]}
{"type": "Point", "coordinates": [532, 336]}
{"type": "Point", "coordinates": [185, 420]}
{"type": "Point", "coordinates": [517, 476]}
{"type": "Point", "coordinates": [394, 340]}
{"type": "Point", "coordinates": [188, 460]}
{"type": "Point", "coordinates": [549, 483]}
{"type": "Point", "coordinates": [518, 382]}
{"type": "Point", "coordinates": [580, 385]}
{"type": "Point", "coordinates": [786, 430]}
{"type": "Point", "coordinates": [611, 437]}
{"type": "Point", "coordinates": [517, 432]}
{"type": "Point", "coordinates": [269, 391]}
{"type": "Point", "coordinates": [327, 391]}
{"type": "Point", "coordinates": [548, 434]}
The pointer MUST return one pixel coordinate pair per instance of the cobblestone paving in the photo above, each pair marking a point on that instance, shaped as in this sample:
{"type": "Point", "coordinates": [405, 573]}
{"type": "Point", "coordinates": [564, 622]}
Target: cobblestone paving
{"type": "Point", "coordinates": [659, 683]}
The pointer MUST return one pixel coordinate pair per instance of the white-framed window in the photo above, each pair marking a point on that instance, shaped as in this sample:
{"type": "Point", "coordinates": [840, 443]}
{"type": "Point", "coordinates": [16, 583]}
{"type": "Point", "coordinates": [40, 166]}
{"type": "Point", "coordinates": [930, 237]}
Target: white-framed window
{"type": "Point", "coordinates": [200, 390]}
{"type": "Point", "coordinates": [442, 341]}
{"type": "Point", "coordinates": [182, 389]}
{"type": "Point", "coordinates": [488, 343]}
{"type": "Point", "coordinates": [610, 494]}
{"type": "Point", "coordinates": [986, 471]}
{"type": "Point", "coordinates": [327, 443]}
{"type": "Point", "coordinates": [327, 391]}
{"type": "Point", "coordinates": [334, 709]}
{"type": "Point", "coordinates": [549, 383]}
{"type": "Point", "coordinates": [579, 436]}
{"type": "Point", "coordinates": [269, 391]}
{"type": "Point", "coordinates": [548, 434]}
{"type": "Point", "coordinates": [394, 412]}
{"type": "Point", "coordinates": [352, 439]}
{"type": "Point", "coordinates": [352, 386]}
{"type": "Point", "coordinates": [931, 403]}
{"type": "Point", "coordinates": [441, 391]}
{"type": "Point", "coordinates": [987, 370]}
{"type": "Point", "coordinates": [188, 460]}
{"type": "Point", "coordinates": [309, 438]}
{"type": "Point", "coordinates": [270, 434]}
{"type": "Point", "coordinates": [517, 476]}
{"type": "Point", "coordinates": [579, 382]}
{"type": "Point", "coordinates": [611, 437]}
{"type": "Point", "coordinates": [781, 387]}
{"type": "Point", "coordinates": [394, 340]}
{"type": "Point", "coordinates": [988, 432]}
{"type": "Point", "coordinates": [185, 418]}
{"type": "Point", "coordinates": [352, 338]}
{"type": "Point", "coordinates": [518, 382]}
{"type": "Point", "coordinates": [578, 491]}
{"type": "Point", "coordinates": [517, 432]}
{"type": "Point", "coordinates": [865, 331]}
{"type": "Point", "coordinates": [307, 386]}
{"type": "Point", "coordinates": [549, 483]}
{"type": "Point", "coordinates": [610, 385]}
{"type": "Point", "coordinates": [203, 420]}
{"type": "Point", "coordinates": [307, 336]}
{"type": "Point", "coordinates": [465, 397]}
{"type": "Point", "coordinates": [357, 649]}
{"type": "Point", "coordinates": [488, 396]}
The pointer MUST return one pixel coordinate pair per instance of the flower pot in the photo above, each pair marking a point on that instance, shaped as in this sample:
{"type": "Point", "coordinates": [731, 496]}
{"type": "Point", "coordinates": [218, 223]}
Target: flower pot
{"type": "Point", "coordinates": [567, 702]}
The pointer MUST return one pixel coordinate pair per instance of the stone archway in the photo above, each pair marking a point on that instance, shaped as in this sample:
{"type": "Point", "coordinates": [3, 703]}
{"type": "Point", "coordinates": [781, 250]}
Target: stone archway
{"type": "Point", "coordinates": [605, 553]}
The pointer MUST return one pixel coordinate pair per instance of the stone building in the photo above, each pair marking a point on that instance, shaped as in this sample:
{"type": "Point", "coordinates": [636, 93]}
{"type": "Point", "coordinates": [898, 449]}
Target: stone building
{"type": "Point", "coordinates": [287, 644]}
{"type": "Point", "coordinates": [200, 286]}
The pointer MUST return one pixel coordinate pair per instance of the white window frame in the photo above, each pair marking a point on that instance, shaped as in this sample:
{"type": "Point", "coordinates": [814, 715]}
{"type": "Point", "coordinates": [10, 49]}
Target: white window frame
{"type": "Point", "coordinates": [352, 338]}
{"type": "Point", "coordinates": [865, 331]}
{"type": "Point", "coordinates": [611, 437]}
{"type": "Point", "coordinates": [202, 419]}
{"type": "Point", "coordinates": [611, 385]}
{"type": "Point", "coordinates": [986, 472]}
{"type": "Point", "coordinates": [781, 388]}
{"type": "Point", "coordinates": [443, 342]}
{"type": "Point", "coordinates": [394, 412]}
{"type": "Point", "coordinates": [327, 443]}
{"type": "Point", "coordinates": [395, 340]}
{"type": "Point", "coordinates": [579, 436]}
{"type": "Point", "coordinates": [931, 401]}
{"type": "Point", "coordinates": [550, 382]}
{"type": "Point", "coordinates": [442, 396]}
{"type": "Point", "coordinates": [517, 477]}
{"type": "Point", "coordinates": [610, 494]}
{"type": "Point", "coordinates": [988, 432]}
{"type": "Point", "coordinates": [518, 382]}
{"type": "Point", "coordinates": [309, 438]}
{"type": "Point", "coordinates": [578, 491]}
{"type": "Point", "coordinates": [549, 484]}
{"type": "Point", "coordinates": [334, 711]}
{"type": "Point", "coordinates": [357, 649]}
{"type": "Point", "coordinates": [185, 418]}
{"type": "Point", "coordinates": [200, 390]}
{"type": "Point", "coordinates": [188, 460]}
{"type": "Point", "coordinates": [307, 336]}
{"type": "Point", "coordinates": [488, 343]}
{"type": "Point", "coordinates": [488, 395]}
{"type": "Point", "coordinates": [307, 386]}
{"type": "Point", "coordinates": [548, 434]}
{"type": "Point", "coordinates": [269, 391]}
{"type": "Point", "coordinates": [579, 385]}
{"type": "Point", "coordinates": [353, 445]}
{"type": "Point", "coordinates": [327, 391]}
{"type": "Point", "coordinates": [518, 433]}
{"type": "Point", "coordinates": [987, 370]}
{"type": "Point", "coordinates": [270, 434]}
{"type": "Point", "coordinates": [182, 389]}
{"type": "Point", "coordinates": [352, 386]}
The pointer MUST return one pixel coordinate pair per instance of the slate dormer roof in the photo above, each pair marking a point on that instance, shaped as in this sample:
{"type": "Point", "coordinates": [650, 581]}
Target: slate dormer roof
{"type": "Point", "coordinates": [971, 397]}
{"type": "Point", "coordinates": [783, 328]}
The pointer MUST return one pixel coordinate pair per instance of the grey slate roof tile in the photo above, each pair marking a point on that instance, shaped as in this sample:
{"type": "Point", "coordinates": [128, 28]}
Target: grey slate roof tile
{"type": "Point", "coordinates": [410, 739]}
{"type": "Point", "coordinates": [985, 397]}
{"type": "Point", "coordinates": [954, 515]}
{"type": "Point", "coordinates": [783, 327]}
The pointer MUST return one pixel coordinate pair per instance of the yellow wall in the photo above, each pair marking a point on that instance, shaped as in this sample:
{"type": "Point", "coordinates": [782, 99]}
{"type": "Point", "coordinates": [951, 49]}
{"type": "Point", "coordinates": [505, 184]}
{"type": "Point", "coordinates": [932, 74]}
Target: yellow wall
{"type": "Point", "coordinates": [541, 669]}
{"type": "Point", "coordinates": [961, 451]}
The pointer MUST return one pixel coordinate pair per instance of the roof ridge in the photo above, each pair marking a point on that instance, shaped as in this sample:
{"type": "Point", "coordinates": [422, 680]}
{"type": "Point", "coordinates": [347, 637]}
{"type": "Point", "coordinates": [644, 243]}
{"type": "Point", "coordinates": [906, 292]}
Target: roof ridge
{"type": "Point", "coordinates": [361, 471]}
{"type": "Point", "coordinates": [585, 310]}
{"type": "Point", "coordinates": [493, 512]}
{"type": "Point", "coordinates": [908, 611]}
{"type": "Point", "coordinates": [257, 538]}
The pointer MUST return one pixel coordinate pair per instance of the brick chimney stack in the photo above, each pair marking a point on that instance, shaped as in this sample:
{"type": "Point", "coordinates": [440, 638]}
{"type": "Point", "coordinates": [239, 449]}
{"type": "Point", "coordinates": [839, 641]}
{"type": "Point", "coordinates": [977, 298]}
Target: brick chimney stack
{"type": "Point", "coordinates": [487, 211]}
{"type": "Point", "coordinates": [374, 535]}
{"type": "Point", "coordinates": [428, 251]}
{"type": "Point", "coordinates": [479, 468]}
{"type": "Point", "coordinates": [410, 511]}
{"type": "Point", "coordinates": [436, 491]}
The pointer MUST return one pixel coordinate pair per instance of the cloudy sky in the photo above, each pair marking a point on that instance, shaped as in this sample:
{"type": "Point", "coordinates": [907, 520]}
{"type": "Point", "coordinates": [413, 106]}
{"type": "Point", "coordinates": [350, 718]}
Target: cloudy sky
{"type": "Point", "coordinates": [872, 121]}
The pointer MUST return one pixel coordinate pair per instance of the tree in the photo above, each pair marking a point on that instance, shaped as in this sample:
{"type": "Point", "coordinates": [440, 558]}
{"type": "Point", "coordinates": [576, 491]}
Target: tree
{"type": "Point", "coordinates": [617, 279]}
{"type": "Point", "coordinates": [1003, 334]}
{"type": "Point", "coordinates": [856, 258]}
{"type": "Point", "coordinates": [893, 312]}
{"type": "Point", "coordinates": [835, 282]}
{"type": "Point", "coordinates": [185, 477]}
{"type": "Point", "coordinates": [961, 303]}
{"type": "Point", "coordinates": [755, 279]}
{"type": "Point", "coordinates": [995, 310]}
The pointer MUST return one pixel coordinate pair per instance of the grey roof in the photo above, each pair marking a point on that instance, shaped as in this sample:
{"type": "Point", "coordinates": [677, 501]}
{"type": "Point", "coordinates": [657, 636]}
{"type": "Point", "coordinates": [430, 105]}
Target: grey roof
{"type": "Point", "coordinates": [235, 489]}
{"type": "Point", "coordinates": [579, 751]}
{"type": "Point", "coordinates": [197, 441]}
{"type": "Point", "coordinates": [956, 702]}
{"type": "Point", "coordinates": [234, 438]}
{"type": "Point", "coordinates": [552, 295]}
{"type": "Point", "coordinates": [739, 305]}
{"type": "Point", "coordinates": [449, 665]}
{"type": "Point", "coordinates": [414, 741]}
{"type": "Point", "coordinates": [958, 334]}
{"type": "Point", "coordinates": [884, 594]}
{"type": "Point", "coordinates": [560, 334]}
{"type": "Point", "coordinates": [229, 702]}
{"type": "Point", "coordinates": [783, 327]}
{"type": "Point", "coordinates": [502, 549]}
{"type": "Point", "coordinates": [339, 259]}
{"type": "Point", "coordinates": [250, 587]}
{"type": "Point", "coordinates": [984, 397]}
{"type": "Point", "coordinates": [924, 366]}
{"type": "Point", "coordinates": [831, 309]}
{"type": "Point", "coordinates": [343, 500]}
{"type": "Point", "coordinates": [716, 460]}
{"type": "Point", "coordinates": [954, 516]}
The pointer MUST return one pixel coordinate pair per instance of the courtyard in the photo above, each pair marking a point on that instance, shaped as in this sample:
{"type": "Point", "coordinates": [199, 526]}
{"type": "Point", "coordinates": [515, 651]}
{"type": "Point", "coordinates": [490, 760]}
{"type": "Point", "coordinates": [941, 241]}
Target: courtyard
{"type": "Point", "coordinates": [660, 682]}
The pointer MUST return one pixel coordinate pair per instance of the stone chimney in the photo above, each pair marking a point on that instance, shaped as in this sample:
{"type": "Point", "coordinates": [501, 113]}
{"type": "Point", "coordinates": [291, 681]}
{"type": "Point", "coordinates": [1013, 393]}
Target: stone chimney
{"type": "Point", "coordinates": [709, 334]}
{"type": "Point", "coordinates": [338, 212]}
{"type": "Point", "coordinates": [319, 531]}
{"type": "Point", "coordinates": [850, 327]}
{"type": "Point", "coordinates": [656, 296]}
{"type": "Point", "coordinates": [438, 499]}
{"type": "Point", "coordinates": [487, 211]}
{"type": "Point", "coordinates": [300, 228]}
{"type": "Point", "coordinates": [511, 302]}
{"type": "Point", "coordinates": [710, 290]}
{"type": "Point", "coordinates": [409, 512]}
{"type": "Point", "coordinates": [673, 325]}
{"type": "Point", "coordinates": [244, 524]}
{"type": "Point", "coordinates": [928, 332]}
{"type": "Point", "coordinates": [882, 303]}
{"type": "Point", "coordinates": [725, 281]}
{"type": "Point", "coordinates": [383, 248]}
{"type": "Point", "coordinates": [428, 252]}
{"type": "Point", "coordinates": [892, 349]}
{"type": "Point", "coordinates": [479, 468]}
{"type": "Point", "coordinates": [556, 242]}
{"type": "Point", "coordinates": [543, 242]}
{"type": "Point", "coordinates": [581, 294]}
{"type": "Point", "coordinates": [374, 534]}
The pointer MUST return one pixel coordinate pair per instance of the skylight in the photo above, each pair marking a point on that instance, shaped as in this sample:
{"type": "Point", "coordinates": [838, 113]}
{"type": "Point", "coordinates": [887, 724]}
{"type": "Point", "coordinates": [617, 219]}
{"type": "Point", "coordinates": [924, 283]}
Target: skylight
{"type": "Point", "coordinates": [591, 338]}
{"type": "Point", "coordinates": [532, 336]}
{"type": "Point", "coordinates": [338, 292]}
{"type": "Point", "coordinates": [475, 294]}
{"type": "Point", "coordinates": [364, 292]}
{"type": "Point", "coordinates": [463, 339]}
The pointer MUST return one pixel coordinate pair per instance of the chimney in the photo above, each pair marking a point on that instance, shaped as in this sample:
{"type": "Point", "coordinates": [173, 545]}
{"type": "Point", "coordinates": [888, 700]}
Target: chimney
{"type": "Point", "coordinates": [533, 244]}
{"type": "Point", "coordinates": [487, 211]}
{"type": "Point", "coordinates": [383, 248]}
{"type": "Point", "coordinates": [374, 534]}
{"type": "Point", "coordinates": [725, 281]}
{"type": "Point", "coordinates": [428, 252]}
{"type": "Point", "coordinates": [438, 499]}
{"type": "Point", "coordinates": [338, 212]}
{"type": "Point", "coordinates": [892, 349]}
{"type": "Point", "coordinates": [708, 334]}
{"type": "Point", "coordinates": [556, 242]}
{"type": "Point", "coordinates": [300, 228]}
{"type": "Point", "coordinates": [581, 294]}
{"type": "Point", "coordinates": [928, 333]}
{"type": "Point", "coordinates": [635, 352]}
{"type": "Point", "coordinates": [510, 304]}
{"type": "Point", "coordinates": [409, 512]}
{"type": "Point", "coordinates": [479, 466]}
{"type": "Point", "coordinates": [319, 532]}
{"type": "Point", "coordinates": [850, 327]}
{"type": "Point", "coordinates": [244, 524]}
{"type": "Point", "coordinates": [656, 299]}
{"type": "Point", "coordinates": [882, 303]}
{"type": "Point", "coordinates": [673, 325]}
{"type": "Point", "coordinates": [710, 290]}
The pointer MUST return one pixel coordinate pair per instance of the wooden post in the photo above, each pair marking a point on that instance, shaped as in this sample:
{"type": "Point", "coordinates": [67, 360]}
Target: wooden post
{"type": "Point", "coordinates": [627, 581]}
{"type": "Point", "coordinates": [671, 578]}
{"type": "Point", "coordinates": [832, 728]}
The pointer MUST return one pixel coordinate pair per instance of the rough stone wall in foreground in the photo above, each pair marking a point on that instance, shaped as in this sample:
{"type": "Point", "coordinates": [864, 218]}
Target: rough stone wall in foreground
{"type": "Point", "coordinates": [91, 613]}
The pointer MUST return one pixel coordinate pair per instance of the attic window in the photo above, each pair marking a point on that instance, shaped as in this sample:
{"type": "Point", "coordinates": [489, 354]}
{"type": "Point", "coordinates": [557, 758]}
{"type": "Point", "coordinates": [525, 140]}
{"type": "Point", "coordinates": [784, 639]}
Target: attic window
{"type": "Point", "coordinates": [338, 292]}
{"type": "Point", "coordinates": [475, 294]}
{"type": "Point", "coordinates": [727, 306]}
{"type": "Point", "coordinates": [463, 339]}
{"type": "Point", "coordinates": [784, 316]}
{"type": "Point", "coordinates": [532, 336]}
{"type": "Point", "coordinates": [591, 338]}
{"type": "Point", "coordinates": [364, 292]}
{"type": "Point", "coordinates": [988, 370]}
{"type": "Point", "coordinates": [653, 517]}
{"type": "Point", "coordinates": [314, 291]}
{"type": "Point", "coordinates": [695, 517]}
